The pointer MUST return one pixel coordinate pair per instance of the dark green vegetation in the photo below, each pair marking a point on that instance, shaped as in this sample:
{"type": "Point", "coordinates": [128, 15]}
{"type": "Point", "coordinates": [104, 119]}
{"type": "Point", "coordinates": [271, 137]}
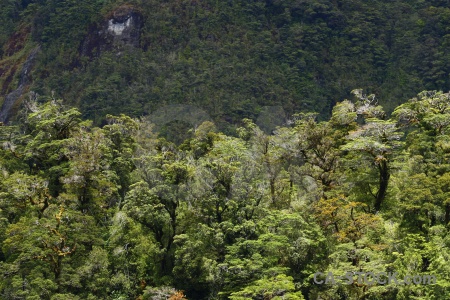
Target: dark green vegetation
{"type": "Point", "coordinates": [119, 213]}
{"type": "Point", "coordinates": [230, 57]}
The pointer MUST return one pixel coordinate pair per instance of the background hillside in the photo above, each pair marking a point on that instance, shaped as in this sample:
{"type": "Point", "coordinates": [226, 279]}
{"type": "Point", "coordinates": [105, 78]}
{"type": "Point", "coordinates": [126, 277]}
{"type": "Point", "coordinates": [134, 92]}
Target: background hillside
{"type": "Point", "coordinates": [229, 57]}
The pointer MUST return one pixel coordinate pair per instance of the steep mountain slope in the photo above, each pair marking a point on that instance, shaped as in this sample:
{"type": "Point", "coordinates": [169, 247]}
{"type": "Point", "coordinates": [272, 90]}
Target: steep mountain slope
{"type": "Point", "coordinates": [231, 58]}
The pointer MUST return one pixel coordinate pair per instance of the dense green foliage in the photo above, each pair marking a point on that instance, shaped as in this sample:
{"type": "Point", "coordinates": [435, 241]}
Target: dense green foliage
{"type": "Point", "coordinates": [118, 212]}
{"type": "Point", "coordinates": [233, 57]}
{"type": "Point", "coordinates": [122, 193]}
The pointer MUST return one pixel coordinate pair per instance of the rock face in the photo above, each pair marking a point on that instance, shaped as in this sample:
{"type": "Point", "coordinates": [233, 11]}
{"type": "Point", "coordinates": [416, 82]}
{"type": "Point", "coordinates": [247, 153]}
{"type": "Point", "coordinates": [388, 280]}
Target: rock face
{"type": "Point", "coordinates": [121, 29]}
{"type": "Point", "coordinates": [7, 109]}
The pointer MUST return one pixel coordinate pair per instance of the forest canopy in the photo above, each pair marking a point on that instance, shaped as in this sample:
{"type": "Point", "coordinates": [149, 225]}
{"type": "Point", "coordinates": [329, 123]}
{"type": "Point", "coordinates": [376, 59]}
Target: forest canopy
{"type": "Point", "coordinates": [120, 212]}
{"type": "Point", "coordinates": [224, 149]}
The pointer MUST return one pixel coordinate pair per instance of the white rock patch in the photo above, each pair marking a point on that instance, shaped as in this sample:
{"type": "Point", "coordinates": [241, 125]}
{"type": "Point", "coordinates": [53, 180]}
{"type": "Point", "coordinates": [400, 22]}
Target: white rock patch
{"type": "Point", "coordinates": [118, 28]}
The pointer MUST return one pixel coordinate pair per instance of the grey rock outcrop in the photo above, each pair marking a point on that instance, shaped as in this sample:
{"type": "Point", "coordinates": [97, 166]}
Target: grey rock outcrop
{"type": "Point", "coordinates": [24, 79]}
{"type": "Point", "coordinates": [120, 29]}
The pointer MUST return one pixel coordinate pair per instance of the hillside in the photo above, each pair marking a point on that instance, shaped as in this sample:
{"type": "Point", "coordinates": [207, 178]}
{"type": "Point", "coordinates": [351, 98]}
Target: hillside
{"type": "Point", "coordinates": [230, 58]}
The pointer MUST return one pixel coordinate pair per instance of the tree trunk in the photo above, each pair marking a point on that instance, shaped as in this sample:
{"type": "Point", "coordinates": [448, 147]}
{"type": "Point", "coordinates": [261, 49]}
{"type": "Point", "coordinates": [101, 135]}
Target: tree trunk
{"type": "Point", "coordinates": [447, 214]}
{"type": "Point", "coordinates": [383, 184]}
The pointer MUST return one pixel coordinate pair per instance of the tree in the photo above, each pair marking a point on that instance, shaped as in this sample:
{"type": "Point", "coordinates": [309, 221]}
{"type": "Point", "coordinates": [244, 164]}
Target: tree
{"type": "Point", "coordinates": [156, 199]}
{"type": "Point", "coordinates": [121, 131]}
{"type": "Point", "coordinates": [46, 128]}
{"type": "Point", "coordinates": [426, 118]}
{"type": "Point", "coordinates": [46, 251]}
{"type": "Point", "coordinates": [89, 177]}
{"type": "Point", "coordinates": [319, 145]}
{"type": "Point", "coordinates": [271, 248]}
{"type": "Point", "coordinates": [376, 142]}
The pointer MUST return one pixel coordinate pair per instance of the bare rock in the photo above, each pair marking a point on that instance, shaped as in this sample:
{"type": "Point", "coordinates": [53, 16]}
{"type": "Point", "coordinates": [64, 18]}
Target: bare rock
{"type": "Point", "coordinates": [120, 29]}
